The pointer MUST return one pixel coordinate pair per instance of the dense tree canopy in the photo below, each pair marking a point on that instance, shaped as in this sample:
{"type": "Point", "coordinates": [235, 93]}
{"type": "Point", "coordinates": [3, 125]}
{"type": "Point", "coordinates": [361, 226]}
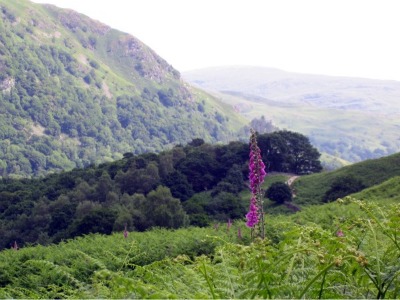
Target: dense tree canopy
{"type": "Point", "coordinates": [193, 184]}
{"type": "Point", "coordinates": [287, 151]}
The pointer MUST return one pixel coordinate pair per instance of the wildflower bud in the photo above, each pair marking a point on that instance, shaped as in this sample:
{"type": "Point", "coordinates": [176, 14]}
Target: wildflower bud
{"type": "Point", "coordinates": [362, 260]}
{"type": "Point", "coordinates": [229, 224]}
{"type": "Point", "coordinates": [15, 246]}
{"type": "Point", "coordinates": [125, 232]}
{"type": "Point", "coordinates": [338, 261]}
{"type": "Point", "coordinates": [239, 233]}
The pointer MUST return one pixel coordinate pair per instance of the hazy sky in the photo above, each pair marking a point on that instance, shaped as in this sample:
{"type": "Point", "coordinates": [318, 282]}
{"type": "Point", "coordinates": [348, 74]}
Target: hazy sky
{"type": "Point", "coordinates": [358, 38]}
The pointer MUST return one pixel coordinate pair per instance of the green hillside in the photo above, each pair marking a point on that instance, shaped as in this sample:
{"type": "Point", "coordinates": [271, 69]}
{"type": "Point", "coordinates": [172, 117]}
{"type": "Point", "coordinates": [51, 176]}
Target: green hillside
{"type": "Point", "coordinates": [311, 189]}
{"type": "Point", "coordinates": [353, 119]}
{"type": "Point", "coordinates": [343, 249]}
{"type": "Point", "coordinates": [74, 92]}
{"type": "Point", "coordinates": [388, 191]}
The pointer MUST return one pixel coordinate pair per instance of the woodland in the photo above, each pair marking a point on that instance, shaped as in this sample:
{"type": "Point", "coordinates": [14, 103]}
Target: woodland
{"type": "Point", "coordinates": [74, 92]}
{"type": "Point", "coordinates": [196, 185]}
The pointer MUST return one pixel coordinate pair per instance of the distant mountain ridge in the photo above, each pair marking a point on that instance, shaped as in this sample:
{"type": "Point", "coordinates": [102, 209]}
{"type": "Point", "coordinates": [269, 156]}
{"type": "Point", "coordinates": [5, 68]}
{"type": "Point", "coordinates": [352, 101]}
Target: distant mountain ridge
{"type": "Point", "coordinates": [74, 92]}
{"type": "Point", "coordinates": [351, 118]}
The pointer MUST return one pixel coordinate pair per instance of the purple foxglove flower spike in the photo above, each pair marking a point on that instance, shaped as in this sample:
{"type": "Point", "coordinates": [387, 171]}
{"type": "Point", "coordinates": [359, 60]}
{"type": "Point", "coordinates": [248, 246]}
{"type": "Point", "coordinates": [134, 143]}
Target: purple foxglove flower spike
{"type": "Point", "coordinates": [125, 232]}
{"type": "Point", "coordinates": [252, 215]}
{"type": "Point", "coordinates": [257, 174]}
{"type": "Point", "coordinates": [229, 224]}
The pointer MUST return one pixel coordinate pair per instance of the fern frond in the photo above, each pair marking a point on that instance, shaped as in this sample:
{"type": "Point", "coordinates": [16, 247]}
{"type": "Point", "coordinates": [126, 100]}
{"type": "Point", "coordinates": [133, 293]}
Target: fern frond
{"type": "Point", "coordinates": [95, 261]}
{"type": "Point", "coordinates": [59, 271]}
{"type": "Point", "coordinates": [18, 293]}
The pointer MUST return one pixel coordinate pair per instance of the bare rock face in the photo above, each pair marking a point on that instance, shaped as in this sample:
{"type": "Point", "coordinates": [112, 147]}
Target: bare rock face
{"type": "Point", "coordinates": [147, 63]}
{"type": "Point", "coordinates": [7, 84]}
{"type": "Point", "coordinates": [75, 21]}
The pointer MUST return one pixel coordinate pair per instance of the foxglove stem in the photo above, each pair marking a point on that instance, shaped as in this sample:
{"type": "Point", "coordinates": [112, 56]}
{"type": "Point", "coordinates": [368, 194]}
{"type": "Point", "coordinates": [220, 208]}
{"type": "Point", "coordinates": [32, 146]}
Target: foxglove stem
{"type": "Point", "coordinates": [257, 173]}
{"type": "Point", "coordinates": [229, 224]}
{"type": "Point", "coordinates": [126, 232]}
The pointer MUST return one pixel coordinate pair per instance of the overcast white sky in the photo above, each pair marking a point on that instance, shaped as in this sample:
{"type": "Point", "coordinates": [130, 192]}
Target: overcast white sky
{"type": "Point", "coordinates": [357, 38]}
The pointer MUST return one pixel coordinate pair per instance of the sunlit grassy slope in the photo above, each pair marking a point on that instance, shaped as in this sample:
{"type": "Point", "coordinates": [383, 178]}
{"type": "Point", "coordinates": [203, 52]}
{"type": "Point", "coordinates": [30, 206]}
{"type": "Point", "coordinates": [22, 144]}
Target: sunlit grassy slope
{"type": "Point", "coordinates": [388, 191]}
{"type": "Point", "coordinates": [310, 189]}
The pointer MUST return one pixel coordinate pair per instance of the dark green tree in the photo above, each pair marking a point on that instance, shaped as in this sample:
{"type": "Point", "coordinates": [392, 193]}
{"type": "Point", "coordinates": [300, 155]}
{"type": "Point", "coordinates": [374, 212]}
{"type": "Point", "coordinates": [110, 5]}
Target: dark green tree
{"type": "Point", "coordinates": [101, 221]}
{"type": "Point", "coordinates": [195, 208]}
{"type": "Point", "coordinates": [163, 210]}
{"type": "Point", "coordinates": [139, 180]}
{"type": "Point", "coordinates": [200, 168]}
{"type": "Point", "coordinates": [226, 206]}
{"type": "Point", "coordinates": [279, 192]}
{"type": "Point", "coordinates": [62, 211]}
{"type": "Point", "coordinates": [103, 187]}
{"type": "Point", "coordinates": [286, 151]}
{"type": "Point", "coordinates": [343, 186]}
{"type": "Point", "coordinates": [179, 185]}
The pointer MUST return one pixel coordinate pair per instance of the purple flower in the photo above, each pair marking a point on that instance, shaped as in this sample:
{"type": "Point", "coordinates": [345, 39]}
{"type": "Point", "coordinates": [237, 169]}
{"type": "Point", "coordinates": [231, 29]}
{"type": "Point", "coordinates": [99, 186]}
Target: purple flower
{"type": "Point", "coordinates": [229, 224]}
{"type": "Point", "coordinates": [125, 232]}
{"type": "Point", "coordinates": [256, 166]}
{"type": "Point", "coordinates": [339, 233]}
{"type": "Point", "coordinates": [15, 246]}
{"type": "Point", "coordinates": [252, 215]}
{"type": "Point", "coordinates": [257, 174]}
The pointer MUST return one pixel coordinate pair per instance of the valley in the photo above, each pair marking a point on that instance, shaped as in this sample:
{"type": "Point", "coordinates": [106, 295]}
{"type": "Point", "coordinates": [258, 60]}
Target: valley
{"type": "Point", "coordinates": [350, 119]}
{"type": "Point", "coordinates": [122, 178]}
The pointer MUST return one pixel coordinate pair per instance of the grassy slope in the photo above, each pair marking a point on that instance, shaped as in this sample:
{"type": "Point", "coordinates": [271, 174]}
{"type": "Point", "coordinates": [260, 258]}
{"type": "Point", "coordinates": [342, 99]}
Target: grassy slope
{"type": "Point", "coordinates": [388, 191]}
{"type": "Point", "coordinates": [310, 189]}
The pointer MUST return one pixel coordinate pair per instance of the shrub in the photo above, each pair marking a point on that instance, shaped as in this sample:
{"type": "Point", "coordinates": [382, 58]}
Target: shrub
{"type": "Point", "coordinates": [342, 187]}
{"type": "Point", "coordinates": [279, 192]}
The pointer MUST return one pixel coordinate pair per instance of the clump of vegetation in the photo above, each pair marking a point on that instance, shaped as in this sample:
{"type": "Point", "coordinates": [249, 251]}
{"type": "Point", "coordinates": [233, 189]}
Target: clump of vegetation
{"type": "Point", "coordinates": [279, 192]}
{"type": "Point", "coordinates": [352, 254]}
{"type": "Point", "coordinates": [343, 186]}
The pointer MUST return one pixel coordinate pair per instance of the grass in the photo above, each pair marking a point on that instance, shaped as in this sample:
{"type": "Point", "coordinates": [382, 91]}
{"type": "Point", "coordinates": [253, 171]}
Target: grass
{"type": "Point", "coordinates": [310, 189]}
{"type": "Point", "coordinates": [388, 192]}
